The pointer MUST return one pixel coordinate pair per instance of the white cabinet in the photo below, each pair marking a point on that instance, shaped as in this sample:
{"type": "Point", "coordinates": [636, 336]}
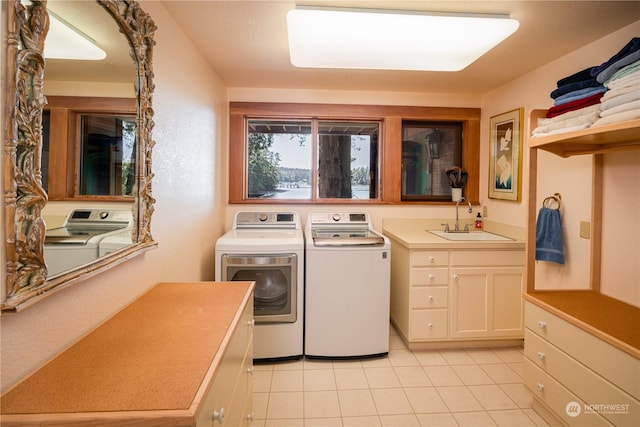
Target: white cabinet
{"type": "Point", "coordinates": [445, 295]}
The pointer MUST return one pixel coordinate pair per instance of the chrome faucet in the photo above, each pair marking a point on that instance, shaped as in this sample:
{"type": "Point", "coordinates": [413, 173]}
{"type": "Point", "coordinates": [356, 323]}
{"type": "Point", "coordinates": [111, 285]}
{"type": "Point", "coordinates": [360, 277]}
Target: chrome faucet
{"type": "Point", "coordinates": [456, 227]}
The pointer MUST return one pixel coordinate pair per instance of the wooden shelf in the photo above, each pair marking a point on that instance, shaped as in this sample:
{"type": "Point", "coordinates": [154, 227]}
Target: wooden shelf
{"type": "Point", "coordinates": [602, 139]}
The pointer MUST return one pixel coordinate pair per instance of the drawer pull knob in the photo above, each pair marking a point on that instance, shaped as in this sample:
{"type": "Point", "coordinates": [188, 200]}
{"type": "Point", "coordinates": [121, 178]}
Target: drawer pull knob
{"type": "Point", "coordinates": [250, 370]}
{"type": "Point", "coordinates": [540, 387]}
{"type": "Point", "coordinates": [430, 325]}
{"type": "Point", "coordinates": [432, 259]}
{"type": "Point", "coordinates": [431, 298]}
{"type": "Point", "coordinates": [541, 355]}
{"type": "Point", "coordinates": [251, 322]}
{"type": "Point", "coordinates": [456, 277]}
{"type": "Point", "coordinates": [251, 416]}
{"type": "Point", "coordinates": [219, 415]}
{"type": "Point", "coordinates": [542, 324]}
{"type": "Point", "coordinates": [432, 277]}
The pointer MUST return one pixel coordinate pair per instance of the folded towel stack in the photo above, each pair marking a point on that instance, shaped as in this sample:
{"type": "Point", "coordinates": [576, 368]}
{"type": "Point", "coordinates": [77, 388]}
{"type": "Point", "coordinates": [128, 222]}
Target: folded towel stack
{"type": "Point", "coordinates": [604, 94]}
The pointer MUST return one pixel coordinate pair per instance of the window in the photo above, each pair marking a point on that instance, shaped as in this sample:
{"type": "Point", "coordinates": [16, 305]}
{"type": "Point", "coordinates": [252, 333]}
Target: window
{"type": "Point", "coordinates": [331, 154]}
{"type": "Point", "coordinates": [281, 166]}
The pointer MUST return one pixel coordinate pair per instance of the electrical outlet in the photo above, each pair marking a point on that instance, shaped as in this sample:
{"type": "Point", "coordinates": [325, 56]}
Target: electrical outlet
{"type": "Point", "coordinates": [484, 211]}
{"type": "Point", "coordinates": [585, 229]}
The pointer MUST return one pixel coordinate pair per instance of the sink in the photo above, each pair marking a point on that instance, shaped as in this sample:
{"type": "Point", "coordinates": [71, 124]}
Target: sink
{"type": "Point", "coordinates": [471, 235]}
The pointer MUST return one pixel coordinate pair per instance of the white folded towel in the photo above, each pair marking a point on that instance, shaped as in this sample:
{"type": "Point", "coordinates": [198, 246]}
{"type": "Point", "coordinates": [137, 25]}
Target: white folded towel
{"type": "Point", "coordinates": [632, 105]}
{"type": "Point", "coordinates": [618, 118]}
{"type": "Point", "coordinates": [624, 98]}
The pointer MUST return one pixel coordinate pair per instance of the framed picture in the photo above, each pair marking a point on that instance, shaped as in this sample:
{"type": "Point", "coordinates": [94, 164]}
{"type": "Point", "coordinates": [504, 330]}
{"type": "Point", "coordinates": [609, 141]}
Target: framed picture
{"type": "Point", "coordinates": [505, 157]}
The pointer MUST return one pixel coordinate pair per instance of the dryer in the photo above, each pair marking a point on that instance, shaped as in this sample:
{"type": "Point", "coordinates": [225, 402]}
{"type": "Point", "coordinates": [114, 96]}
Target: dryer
{"type": "Point", "coordinates": [268, 248]}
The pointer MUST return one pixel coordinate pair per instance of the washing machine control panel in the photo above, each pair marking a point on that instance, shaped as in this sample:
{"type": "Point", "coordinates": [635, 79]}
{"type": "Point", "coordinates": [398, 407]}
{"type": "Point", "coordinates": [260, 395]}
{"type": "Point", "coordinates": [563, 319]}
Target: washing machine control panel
{"type": "Point", "coordinates": [352, 218]}
{"type": "Point", "coordinates": [265, 219]}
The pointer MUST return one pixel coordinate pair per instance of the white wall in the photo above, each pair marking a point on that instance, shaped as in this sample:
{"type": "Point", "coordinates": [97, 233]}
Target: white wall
{"type": "Point", "coordinates": [190, 125]}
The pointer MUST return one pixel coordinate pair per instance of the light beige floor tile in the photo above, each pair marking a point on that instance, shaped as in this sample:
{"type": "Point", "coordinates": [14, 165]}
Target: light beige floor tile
{"type": "Point", "coordinates": [347, 364]}
{"type": "Point", "coordinates": [519, 393]}
{"type": "Point", "coordinates": [321, 404]}
{"type": "Point", "coordinates": [412, 376]}
{"type": "Point", "coordinates": [288, 365]}
{"type": "Point", "coordinates": [350, 379]}
{"type": "Point", "coordinates": [322, 422]}
{"type": "Point", "coordinates": [355, 403]}
{"type": "Point", "coordinates": [319, 379]}
{"type": "Point", "coordinates": [262, 381]}
{"type": "Point", "coordinates": [285, 405]}
{"type": "Point", "coordinates": [408, 420]}
{"type": "Point", "coordinates": [512, 418]}
{"type": "Point", "coordinates": [378, 362]}
{"type": "Point", "coordinates": [430, 358]}
{"type": "Point", "coordinates": [284, 423]}
{"type": "Point", "coordinates": [381, 377]}
{"type": "Point", "coordinates": [518, 368]}
{"type": "Point", "coordinates": [442, 375]}
{"type": "Point", "coordinates": [509, 354]}
{"type": "Point", "coordinates": [258, 423]}
{"type": "Point", "coordinates": [492, 397]}
{"type": "Point", "coordinates": [483, 355]}
{"type": "Point", "coordinates": [263, 366]}
{"type": "Point", "coordinates": [472, 375]}
{"type": "Point", "coordinates": [501, 373]}
{"type": "Point", "coordinates": [402, 358]}
{"type": "Point", "coordinates": [439, 420]}
{"type": "Point", "coordinates": [425, 400]}
{"type": "Point", "coordinates": [260, 402]}
{"type": "Point", "coordinates": [391, 401]}
{"type": "Point", "coordinates": [457, 357]}
{"type": "Point", "coordinates": [371, 421]}
{"type": "Point", "coordinates": [459, 399]}
{"type": "Point", "coordinates": [474, 419]}
{"type": "Point", "coordinates": [317, 364]}
{"type": "Point", "coordinates": [537, 419]}
{"type": "Point", "coordinates": [397, 343]}
{"type": "Point", "coordinates": [287, 381]}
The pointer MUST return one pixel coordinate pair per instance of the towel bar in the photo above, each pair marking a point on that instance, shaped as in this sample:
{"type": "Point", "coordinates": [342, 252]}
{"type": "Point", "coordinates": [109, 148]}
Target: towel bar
{"type": "Point", "coordinates": [548, 202]}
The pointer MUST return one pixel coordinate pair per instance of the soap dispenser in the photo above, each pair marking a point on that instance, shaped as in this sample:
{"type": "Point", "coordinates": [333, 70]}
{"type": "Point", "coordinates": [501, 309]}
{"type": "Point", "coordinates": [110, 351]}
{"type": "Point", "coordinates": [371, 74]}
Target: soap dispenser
{"type": "Point", "coordinates": [478, 222]}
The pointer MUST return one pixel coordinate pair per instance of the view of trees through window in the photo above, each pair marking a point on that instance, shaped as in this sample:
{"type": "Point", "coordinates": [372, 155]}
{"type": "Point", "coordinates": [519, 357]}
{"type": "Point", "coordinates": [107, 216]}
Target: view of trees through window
{"type": "Point", "coordinates": [280, 159]}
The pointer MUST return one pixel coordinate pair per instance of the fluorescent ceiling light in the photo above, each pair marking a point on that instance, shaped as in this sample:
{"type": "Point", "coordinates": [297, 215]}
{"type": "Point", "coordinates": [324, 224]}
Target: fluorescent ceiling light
{"type": "Point", "coordinates": [391, 40]}
{"type": "Point", "coordinates": [64, 41]}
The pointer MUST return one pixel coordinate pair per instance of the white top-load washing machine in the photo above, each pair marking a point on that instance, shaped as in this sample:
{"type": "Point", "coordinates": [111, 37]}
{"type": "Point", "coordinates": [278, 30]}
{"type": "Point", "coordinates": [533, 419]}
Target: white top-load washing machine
{"type": "Point", "coordinates": [347, 286]}
{"type": "Point", "coordinates": [77, 241]}
{"type": "Point", "coordinates": [268, 248]}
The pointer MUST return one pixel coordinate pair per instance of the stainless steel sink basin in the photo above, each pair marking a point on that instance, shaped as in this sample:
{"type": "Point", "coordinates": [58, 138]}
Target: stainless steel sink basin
{"type": "Point", "coordinates": [470, 236]}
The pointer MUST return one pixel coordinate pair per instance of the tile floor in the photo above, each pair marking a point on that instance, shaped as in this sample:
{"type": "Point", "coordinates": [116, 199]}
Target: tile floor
{"type": "Point", "coordinates": [470, 387]}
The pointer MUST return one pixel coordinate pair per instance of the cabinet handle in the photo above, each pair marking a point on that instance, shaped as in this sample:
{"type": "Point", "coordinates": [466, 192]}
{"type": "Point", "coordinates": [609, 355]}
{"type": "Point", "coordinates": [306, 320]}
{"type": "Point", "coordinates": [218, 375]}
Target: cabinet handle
{"type": "Point", "coordinates": [432, 277]}
{"type": "Point", "coordinates": [540, 387]}
{"type": "Point", "coordinates": [541, 355]}
{"type": "Point", "coordinates": [251, 322]}
{"type": "Point", "coordinates": [432, 259]}
{"type": "Point", "coordinates": [250, 370]}
{"type": "Point", "coordinates": [430, 325]}
{"type": "Point", "coordinates": [251, 416]}
{"type": "Point", "coordinates": [430, 298]}
{"type": "Point", "coordinates": [456, 277]}
{"type": "Point", "coordinates": [218, 416]}
{"type": "Point", "coordinates": [542, 324]}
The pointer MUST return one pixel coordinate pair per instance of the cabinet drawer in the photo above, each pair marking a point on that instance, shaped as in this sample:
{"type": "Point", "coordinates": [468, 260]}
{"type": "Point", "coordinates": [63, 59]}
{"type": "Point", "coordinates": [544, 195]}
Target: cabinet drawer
{"type": "Point", "coordinates": [486, 258]}
{"type": "Point", "coordinates": [428, 324]}
{"type": "Point", "coordinates": [429, 258]}
{"type": "Point", "coordinates": [429, 297]}
{"type": "Point", "coordinates": [429, 276]}
{"type": "Point", "coordinates": [557, 398]}
{"type": "Point", "coordinates": [589, 386]}
{"type": "Point", "coordinates": [236, 414]}
{"type": "Point", "coordinates": [618, 367]}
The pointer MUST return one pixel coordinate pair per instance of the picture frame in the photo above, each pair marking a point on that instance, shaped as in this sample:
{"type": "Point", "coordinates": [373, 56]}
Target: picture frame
{"type": "Point", "coordinates": [505, 156]}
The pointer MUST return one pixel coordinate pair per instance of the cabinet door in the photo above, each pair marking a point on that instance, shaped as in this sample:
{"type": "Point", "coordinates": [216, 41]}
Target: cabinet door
{"type": "Point", "coordinates": [487, 302]}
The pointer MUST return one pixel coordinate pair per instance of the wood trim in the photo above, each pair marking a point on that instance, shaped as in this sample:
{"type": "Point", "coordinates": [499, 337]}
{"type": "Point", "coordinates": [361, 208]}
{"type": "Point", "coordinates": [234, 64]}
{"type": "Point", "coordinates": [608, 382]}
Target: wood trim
{"type": "Point", "coordinates": [596, 223]}
{"type": "Point", "coordinates": [390, 153]}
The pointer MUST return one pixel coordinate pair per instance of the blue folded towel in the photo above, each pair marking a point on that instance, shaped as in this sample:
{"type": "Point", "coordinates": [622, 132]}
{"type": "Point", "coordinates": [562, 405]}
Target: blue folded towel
{"type": "Point", "coordinates": [549, 236]}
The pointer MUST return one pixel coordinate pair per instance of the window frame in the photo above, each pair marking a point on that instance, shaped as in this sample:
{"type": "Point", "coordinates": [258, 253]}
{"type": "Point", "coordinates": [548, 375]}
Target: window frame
{"type": "Point", "coordinates": [64, 142]}
{"type": "Point", "coordinates": [390, 145]}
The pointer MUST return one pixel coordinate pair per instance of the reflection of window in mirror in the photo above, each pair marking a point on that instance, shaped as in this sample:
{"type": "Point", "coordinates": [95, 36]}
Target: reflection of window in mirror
{"type": "Point", "coordinates": [107, 155]}
{"type": "Point", "coordinates": [89, 148]}
{"type": "Point", "coordinates": [428, 149]}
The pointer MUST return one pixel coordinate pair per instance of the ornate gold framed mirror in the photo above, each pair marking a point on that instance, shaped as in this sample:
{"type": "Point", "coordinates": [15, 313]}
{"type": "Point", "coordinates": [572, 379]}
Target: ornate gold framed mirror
{"type": "Point", "coordinates": [24, 197]}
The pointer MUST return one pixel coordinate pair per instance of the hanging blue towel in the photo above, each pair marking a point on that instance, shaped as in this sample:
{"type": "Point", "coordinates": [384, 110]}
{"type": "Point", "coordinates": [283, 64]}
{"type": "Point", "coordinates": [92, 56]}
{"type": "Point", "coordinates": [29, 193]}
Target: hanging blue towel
{"type": "Point", "coordinates": [549, 236]}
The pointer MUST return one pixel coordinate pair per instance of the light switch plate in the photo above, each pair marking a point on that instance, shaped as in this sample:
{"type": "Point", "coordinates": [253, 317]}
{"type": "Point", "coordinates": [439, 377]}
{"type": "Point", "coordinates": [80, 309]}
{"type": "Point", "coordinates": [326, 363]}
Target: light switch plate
{"type": "Point", "coordinates": [585, 229]}
{"type": "Point", "coordinates": [484, 211]}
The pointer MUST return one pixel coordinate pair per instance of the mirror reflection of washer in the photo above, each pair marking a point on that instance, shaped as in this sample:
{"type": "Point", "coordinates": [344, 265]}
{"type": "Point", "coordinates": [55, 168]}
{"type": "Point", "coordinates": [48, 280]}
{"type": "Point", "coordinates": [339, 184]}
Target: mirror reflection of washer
{"type": "Point", "coordinates": [268, 248]}
{"type": "Point", "coordinates": [347, 286]}
{"type": "Point", "coordinates": [78, 240]}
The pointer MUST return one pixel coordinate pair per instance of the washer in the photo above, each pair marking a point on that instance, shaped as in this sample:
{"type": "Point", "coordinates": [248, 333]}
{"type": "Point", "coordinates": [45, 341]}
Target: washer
{"type": "Point", "coordinates": [77, 241]}
{"type": "Point", "coordinates": [347, 286]}
{"type": "Point", "coordinates": [268, 248]}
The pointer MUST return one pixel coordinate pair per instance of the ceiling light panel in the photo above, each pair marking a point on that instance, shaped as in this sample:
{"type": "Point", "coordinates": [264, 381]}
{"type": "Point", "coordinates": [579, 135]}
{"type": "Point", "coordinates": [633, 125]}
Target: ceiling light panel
{"type": "Point", "coordinates": [391, 40]}
{"type": "Point", "coordinates": [64, 41]}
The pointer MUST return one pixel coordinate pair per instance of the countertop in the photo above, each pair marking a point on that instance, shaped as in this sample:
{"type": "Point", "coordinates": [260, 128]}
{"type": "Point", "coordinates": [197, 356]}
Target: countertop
{"type": "Point", "coordinates": [413, 233]}
{"type": "Point", "coordinates": [151, 358]}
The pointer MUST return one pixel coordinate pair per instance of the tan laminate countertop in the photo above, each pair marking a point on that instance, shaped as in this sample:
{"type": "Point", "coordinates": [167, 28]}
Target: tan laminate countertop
{"type": "Point", "coordinates": [152, 356]}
